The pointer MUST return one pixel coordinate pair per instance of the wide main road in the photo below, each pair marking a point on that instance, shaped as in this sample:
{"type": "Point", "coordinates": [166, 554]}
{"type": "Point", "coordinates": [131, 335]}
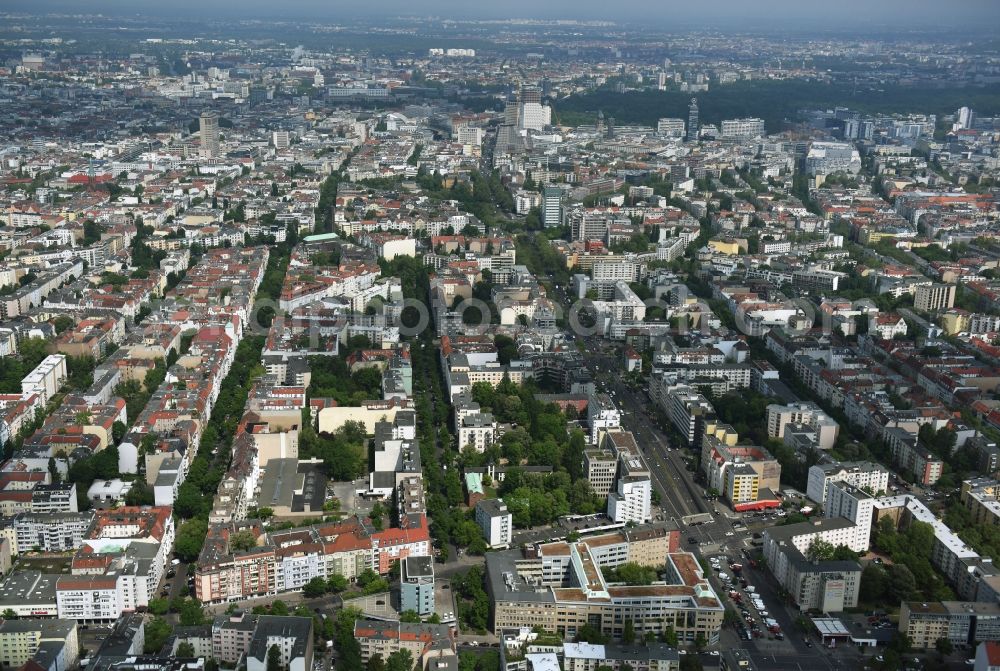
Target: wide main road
{"type": "Point", "coordinates": [680, 496]}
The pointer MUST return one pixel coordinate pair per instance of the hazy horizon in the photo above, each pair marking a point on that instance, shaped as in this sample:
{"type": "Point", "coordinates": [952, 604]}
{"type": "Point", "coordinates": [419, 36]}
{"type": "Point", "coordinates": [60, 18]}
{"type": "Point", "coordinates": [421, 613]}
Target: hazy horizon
{"type": "Point", "coordinates": [781, 14]}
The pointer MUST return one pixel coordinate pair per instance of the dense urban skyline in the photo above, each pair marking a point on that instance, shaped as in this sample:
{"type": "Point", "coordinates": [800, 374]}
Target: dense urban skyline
{"type": "Point", "coordinates": [565, 336]}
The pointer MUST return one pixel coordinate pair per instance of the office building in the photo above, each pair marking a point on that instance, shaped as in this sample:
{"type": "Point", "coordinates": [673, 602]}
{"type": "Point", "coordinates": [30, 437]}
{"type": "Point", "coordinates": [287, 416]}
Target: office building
{"type": "Point", "coordinates": [209, 133]}
{"type": "Point", "coordinates": [825, 158]}
{"type": "Point", "coordinates": [934, 297]}
{"type": "Point", "coordinates": [631, 501]}
{"type": "Point", "coordinates": [281, 139]}
{"type": "Point", "coordinates": [559, 587]}
{"type": "Point", "coordinates": [600, 467]}
{"type": "Point", "coordinates": [670, 128]}
{"type": "Point", "coordinates": [692, 127]}
{"type": "Point", "coordinates": [742, 129]}
{"type": "Point", "coordinates": [965, 118]}
{"type": "Point", "coordinates": [551, 206]}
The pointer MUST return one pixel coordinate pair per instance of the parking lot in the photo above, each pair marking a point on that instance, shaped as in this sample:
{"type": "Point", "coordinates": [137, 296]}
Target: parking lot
{"type": "Point", "coordinates": [346, 493]}
{"type": "Point", "coordinates": [756, 620]}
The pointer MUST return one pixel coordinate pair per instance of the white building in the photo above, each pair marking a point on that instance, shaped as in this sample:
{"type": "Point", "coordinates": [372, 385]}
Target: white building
{"type": "Point", "coordinates": [632, 500]}
{"type": "Point", "coordinates": [496, 522]}
{"type": "Point", "coordinates": [825, 158]}
{"type": "Point", "coordinates": [47, 377]}
{"type": "Point", "coordinates": [670, 127]}
{"type": "Point", "coordinates": [602, 415]}
{"type": "Point", "coordinates": [281, 139]}
{"type": "Point", "coordinates": [742, 128]}
{"type": "Point", "coordinates": [470, 135]}
{"type": "Point", "coordinates": [781, 416]}
{"type": "Point", "coordinates": [861, 474]}
{"type": "Point", "coordinates": [477, 430]}
{"type": "Point", "coordinates": [51, 532]}
{"type": "Point", "coordinates": [101, 598]}
{"type": "Point", "coordinates": [849, 502]}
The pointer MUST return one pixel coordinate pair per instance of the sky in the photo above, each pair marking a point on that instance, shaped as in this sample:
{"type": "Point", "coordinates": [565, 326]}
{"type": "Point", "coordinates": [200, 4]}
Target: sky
{"type": "Point", "coordinates": [841, 14]}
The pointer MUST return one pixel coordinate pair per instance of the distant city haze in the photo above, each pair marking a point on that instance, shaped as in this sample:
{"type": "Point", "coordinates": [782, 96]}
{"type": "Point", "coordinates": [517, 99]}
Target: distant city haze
{"type": "Point", "coordinates": [981, 15]}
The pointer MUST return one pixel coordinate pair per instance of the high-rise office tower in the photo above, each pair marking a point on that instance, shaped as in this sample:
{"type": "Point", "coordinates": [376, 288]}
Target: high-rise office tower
{"type": "Point", "coordinates": [692, 129]}
{"type": "Point", "coordinates": [965, 117]}
{"type": "Point", "coordinates": [531, 94]}
{"type": "Point", "coordinates": [209, 135]}
{"type": "Point", "coordinates": [551, 206]}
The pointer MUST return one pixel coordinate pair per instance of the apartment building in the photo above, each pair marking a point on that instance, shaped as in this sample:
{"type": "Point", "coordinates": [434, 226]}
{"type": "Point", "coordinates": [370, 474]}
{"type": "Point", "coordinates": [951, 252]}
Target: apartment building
{"type": "Point", "coordinates": [241, 637]}
{"type": "Point", "coordinates": [416, 585]}
{"type": "Point", "coordinates": [846, 501]}
{"type": "Point", "coordinates": [910, 456]}
{"type": "Point", "coordinates": [934, 297]}
{"type": "Point", "coordinates": [982, 498]}
{"type": "Point", "coordinates": [292, 636]}
{"type": "Point", "coordinates": [827, 585]}
{"type": "Point", "coordinates": [477, 430]}
{"type": "Point", "coordinates": [862, 474]}
{"type": "Point", "coordinates": [51, 532]}
{"type": "Point", "coordinates": [384, 638]}
{"type": "Point", "coordinates": [47, 377]}
{"type": "Point", "coordinates": [100, 598]}
{"type": "Point", "coordinates": [687, 409]}
{"type": "Point", "coordinates": [53, 645]}
{"type": "Point", "coordinates": [619, 656]}
{"type": "Point", "coordinates": [950, 555]}
{"type": "Point", "coordinates": [496, 522]}
{"type": "Point", "coordinates": [963, 623]}
{"type": "Point", "coordinates": [779, 417]}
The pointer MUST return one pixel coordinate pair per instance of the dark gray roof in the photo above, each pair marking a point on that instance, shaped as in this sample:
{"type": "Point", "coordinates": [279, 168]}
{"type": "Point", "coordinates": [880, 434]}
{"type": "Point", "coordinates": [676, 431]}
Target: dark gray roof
{"type": "Point", "coordinates": [299, 628]}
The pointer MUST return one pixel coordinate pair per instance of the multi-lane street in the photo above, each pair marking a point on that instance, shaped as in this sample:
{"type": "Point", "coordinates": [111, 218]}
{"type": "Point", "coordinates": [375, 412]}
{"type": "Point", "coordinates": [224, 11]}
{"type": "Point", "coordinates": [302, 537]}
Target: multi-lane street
{"type": "Point", "coordinates": [682, 500]}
